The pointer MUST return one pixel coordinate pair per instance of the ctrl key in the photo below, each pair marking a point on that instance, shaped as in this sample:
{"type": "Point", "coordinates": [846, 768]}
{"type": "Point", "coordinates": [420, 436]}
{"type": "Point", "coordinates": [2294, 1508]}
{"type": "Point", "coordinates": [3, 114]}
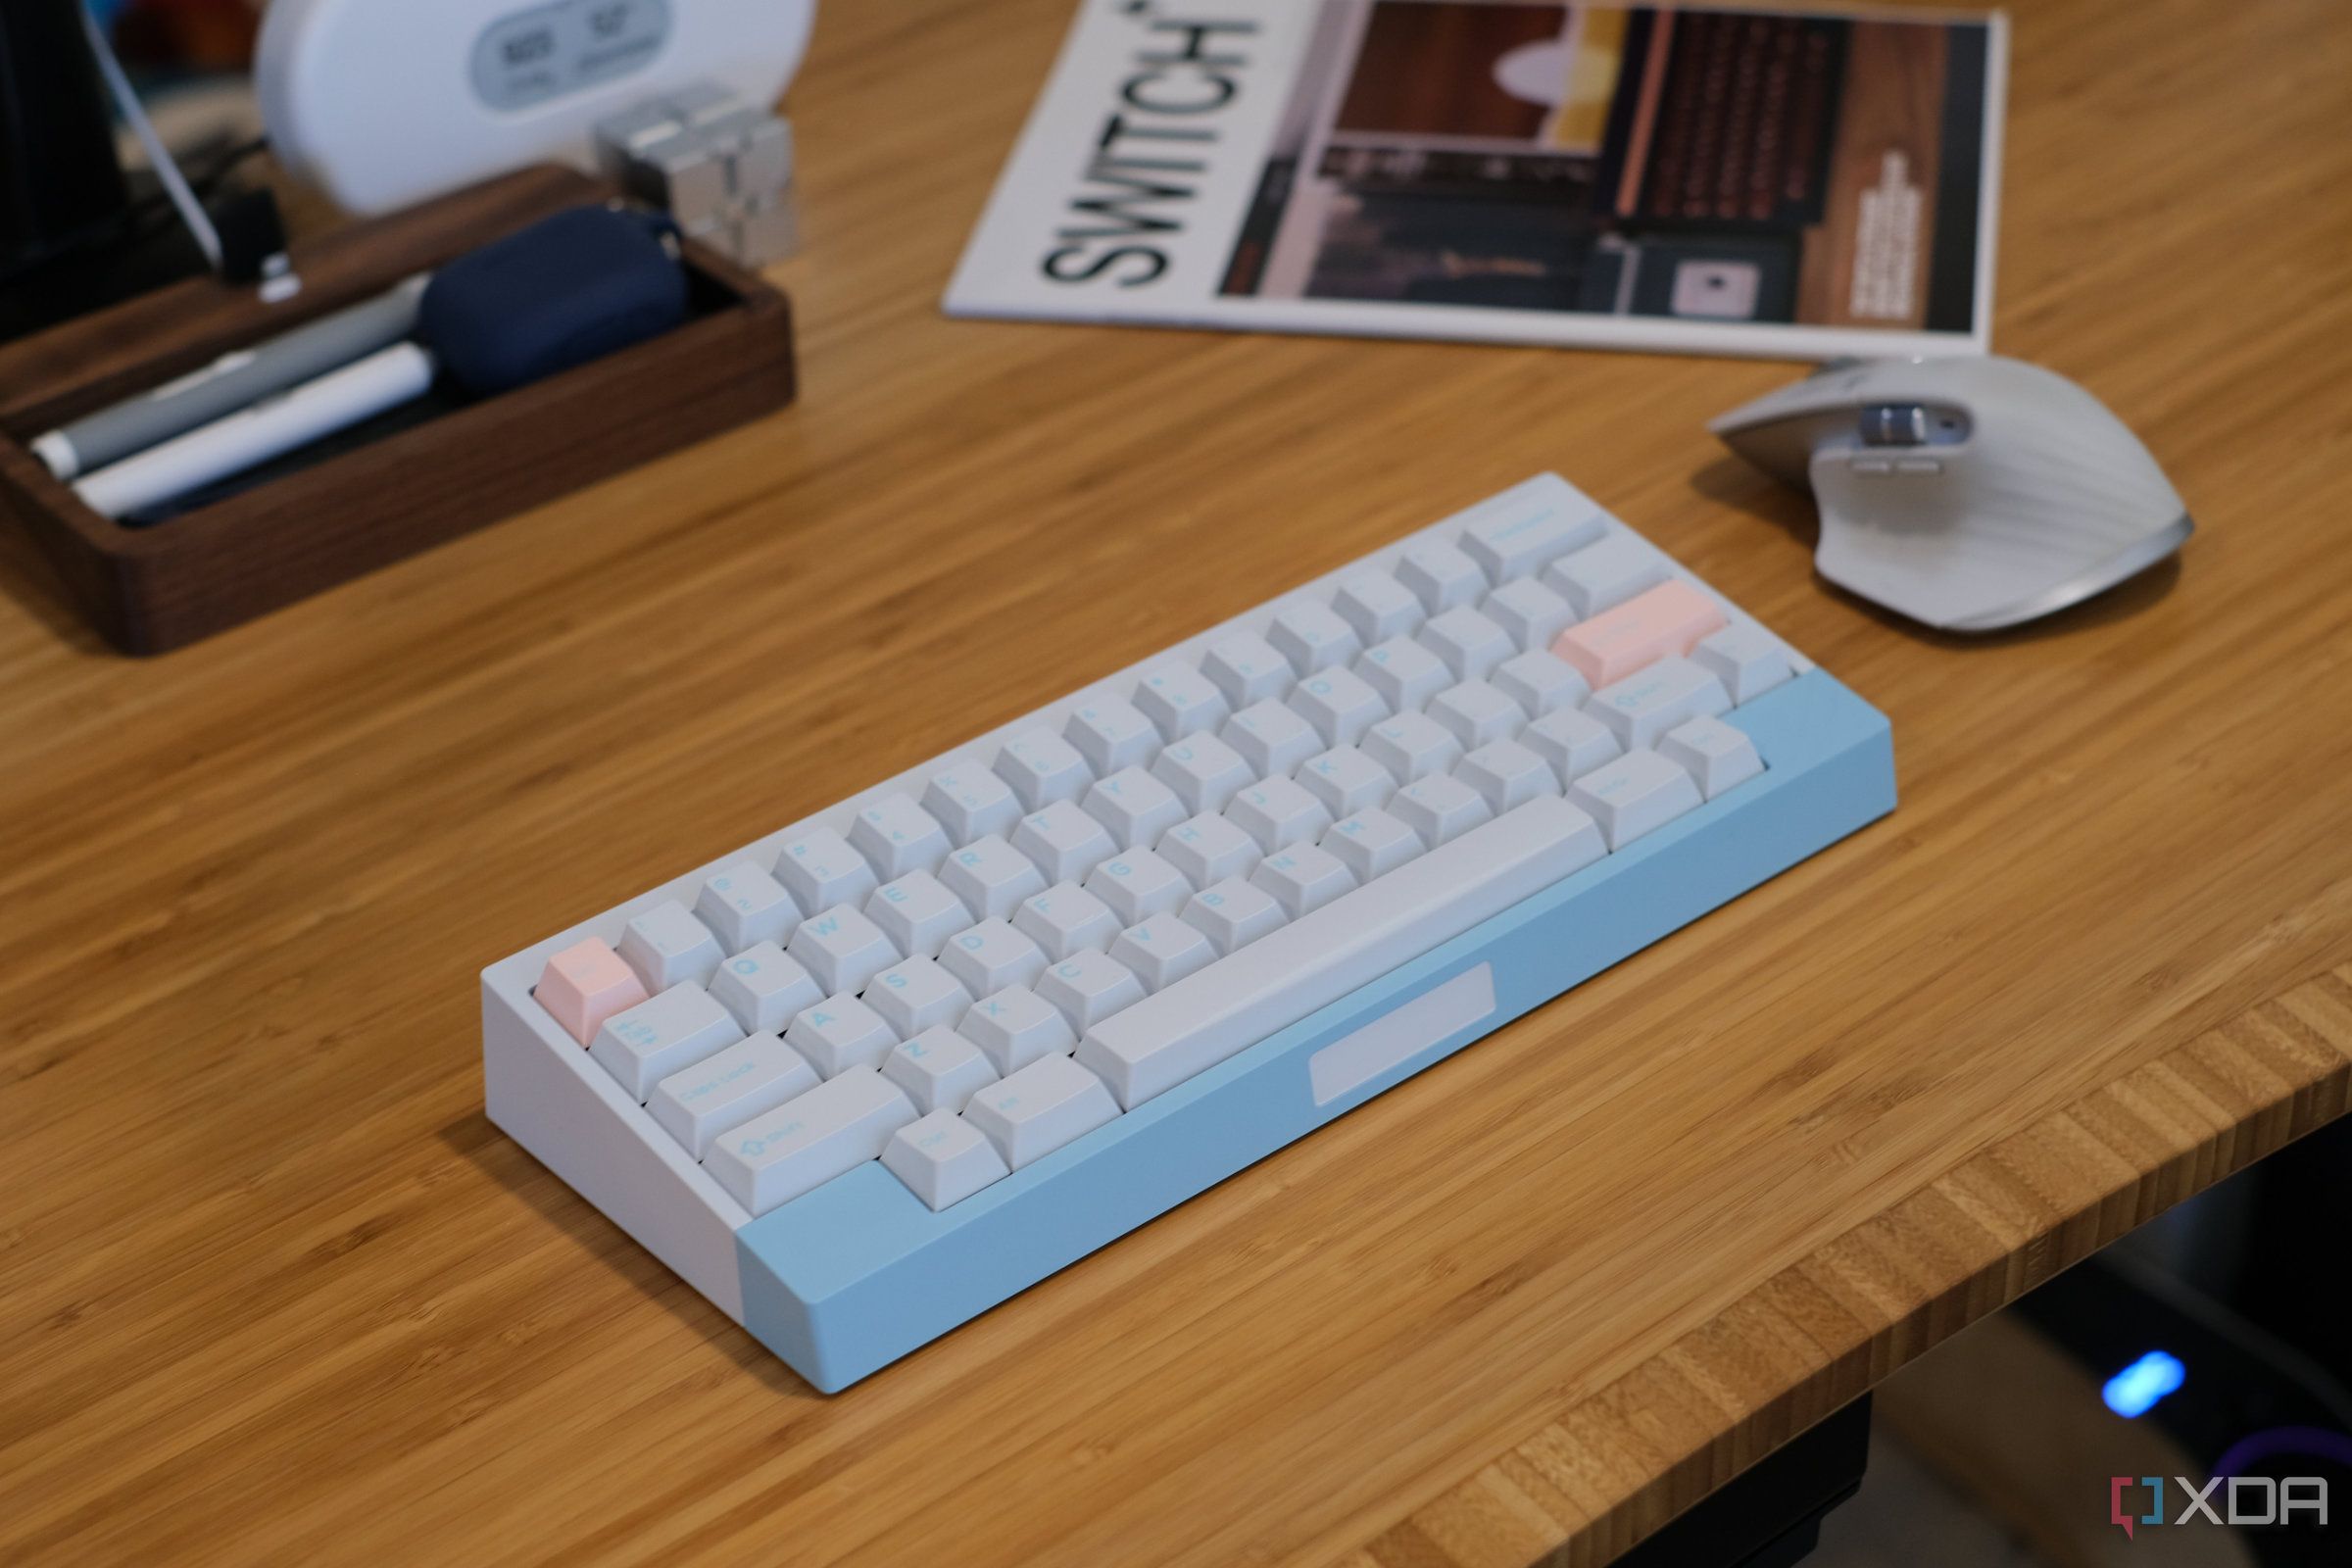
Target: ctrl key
{"type": "Point", "coordinates": [584, 985]}
{"type": "Point", "coordinates": [943, 1158]}
{"type": "Point", "coordinates": [804, 1143]}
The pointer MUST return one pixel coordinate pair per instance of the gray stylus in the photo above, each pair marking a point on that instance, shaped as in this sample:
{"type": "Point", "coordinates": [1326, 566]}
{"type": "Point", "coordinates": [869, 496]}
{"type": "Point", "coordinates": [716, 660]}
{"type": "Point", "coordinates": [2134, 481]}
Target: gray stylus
{"type": "Point", "coordinates": [231, 382]}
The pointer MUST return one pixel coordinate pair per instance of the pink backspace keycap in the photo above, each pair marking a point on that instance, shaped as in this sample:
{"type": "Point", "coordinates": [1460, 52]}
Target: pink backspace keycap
{"type": "Point", "coordinates": [1669, 618]}
{"type": "Point", "coordinates": [584, 985]}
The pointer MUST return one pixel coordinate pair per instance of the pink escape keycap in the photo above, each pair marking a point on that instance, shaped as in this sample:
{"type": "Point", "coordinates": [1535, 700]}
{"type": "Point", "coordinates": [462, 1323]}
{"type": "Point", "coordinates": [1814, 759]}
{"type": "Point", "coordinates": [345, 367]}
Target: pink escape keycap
{"type": "Point", "coordinates": [584, 985]}
{"type": "Point", "coordinates": [1669, 618]}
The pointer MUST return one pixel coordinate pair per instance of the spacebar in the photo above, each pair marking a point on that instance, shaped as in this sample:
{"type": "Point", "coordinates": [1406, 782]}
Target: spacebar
{"type": "Point", "coordinates": [1354, 940]}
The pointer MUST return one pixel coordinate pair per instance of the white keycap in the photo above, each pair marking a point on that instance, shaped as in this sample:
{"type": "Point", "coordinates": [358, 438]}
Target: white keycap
{"type": "Point", "coordinates": [1017, 1026]}
{"type": "Point", "coordinates": [1088, 986]}
{"type": "Point", "coordinates": [1062, 840]}
{"type": "Point", "coordinates": [938, 1069]}
{"type": "Point", "coordinates": [1209, 849]}
{"type": "Point", "coordinates": [643, 1045]}
{"type": "Point", "coordinates": [1303, 878]}
{"type": "Point", "coordinates": [1573, 742]}
{"type": "Point", "coordinates": [943, 1160]}
{"type": "Point", "coordinates": [1248, 670]}
{"type": "Point", "coordinates": [1713, 753]}
{"type": "Point", "coordinates": [666, 945]}
{"type": "Point", "coordinates": [971, 803]}
{"type": "Point", "coordinates": [1111, 733]}
{"type": "Point", "coordinates": [1475, 713]}
{"type": "Point", "coordinates": [1279, 813]}
{"type": "Point", "coordinates": [1162, 950]}
{"type": "Point", "coordinates": [1311, 962]}
{"type": "Point", "coordinates": [1312, 636]}
{"type": "Point", "coordinates": [763, 988]}
{"type": "Point", "coordinates": [1233, 913]}
{"type": "Point", "coordinates": [1271, 738]}
{"type": "Point", "coordinates": [991, 877]}
{"type": "Point", "coordinates": [992, 956]}
{"type": "Point", "coordinates": [1539, 682]}
{"type": "Point", "coordinates": [842, 950]}
{"type": "Point", "coordinates": [1639, 793]}
{"type": "Point", "coordinates": [744, 905]}
{"type": "Point", "coordinates": [1412, 746]}
{"type": "Point", "coordinates": [1440, 808]}
{"type": "Point", "coordinates": [897, 836]}
{"type": "Point", "coordinates": [1371, 844]}
{"type": "Point", "coordinates": [1340, 704]}
{"type": "Point", "coordinates": [840, 1033]}
{"type": "Point", "coordinates": [1180, 700]}
{"type": "Point", "coordinates": [1604, 575]}
{"type": "Point", "coordinates": [1137, 884]}
{"type": "Point", "coordinates": [1346, 780]}
{"type": "Point", "coordinates": [917, 912]}
{"type": "Point", "coordinates": [1507, 775]}
{"type": "Point", "coordinates": [1378, 607]}
{"type": "Point", "coordinates": [1405, 674]}
{"type": "Point", "coordinates": [1065, 919]}
{"type": "Point", "coordinates": [1042, 768]}
{"type": "Point", "coordinates": [915, 995]}
{"type": "Point", "coordinates": [757, 1073]}
{"type": "Point", "coordinates": [1514, 534]}
{"type": "Point", "coordinates": [1441, 576]}
{"type": "Point", "coordinates": [819, 869]}
{"type": "Point", "coordinates": [807, 1141]}
{"type": "Point", "coordinates": [1134, 807]}
{"type": "Point", "coordinates": [1646, 704]}
{"type": "Point", "coordinates": [1529, 612]}
{"type": "Point", "coordinates": [1470, 644]}
{"type": "Point", "coordinates": [1030, 1113]}
{"type": "Point", "coordinates": [1203, 771]}
{"type": "Point", "coordinates": [1745, 658]}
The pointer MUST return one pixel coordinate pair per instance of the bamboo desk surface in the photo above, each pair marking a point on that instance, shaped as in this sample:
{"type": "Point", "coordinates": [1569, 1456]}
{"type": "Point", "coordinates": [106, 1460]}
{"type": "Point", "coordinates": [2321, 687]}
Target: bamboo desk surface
{"type": "Point", "coordinates": [273, 1291]}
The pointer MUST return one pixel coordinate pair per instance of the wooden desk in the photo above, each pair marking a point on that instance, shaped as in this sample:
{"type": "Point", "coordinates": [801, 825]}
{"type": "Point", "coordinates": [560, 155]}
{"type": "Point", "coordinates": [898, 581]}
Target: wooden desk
{"type": "Point", "coordinates": [273, 1291]}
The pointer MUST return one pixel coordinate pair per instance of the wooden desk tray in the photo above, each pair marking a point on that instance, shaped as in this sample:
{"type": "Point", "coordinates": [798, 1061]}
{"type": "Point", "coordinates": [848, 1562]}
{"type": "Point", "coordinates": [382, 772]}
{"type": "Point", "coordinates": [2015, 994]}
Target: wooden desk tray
{"type": "Point", "coordinates": [149, 590]}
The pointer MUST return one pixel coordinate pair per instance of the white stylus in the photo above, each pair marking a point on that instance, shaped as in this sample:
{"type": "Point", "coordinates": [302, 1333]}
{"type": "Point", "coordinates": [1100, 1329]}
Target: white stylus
{"type": "Point", "coordinates": [276, 425]}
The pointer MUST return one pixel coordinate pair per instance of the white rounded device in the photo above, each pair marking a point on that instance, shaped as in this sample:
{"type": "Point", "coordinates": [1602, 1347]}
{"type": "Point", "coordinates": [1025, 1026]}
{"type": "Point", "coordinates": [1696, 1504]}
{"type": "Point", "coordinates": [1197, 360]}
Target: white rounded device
{"type": "Point", "coordinates": [386, 102]}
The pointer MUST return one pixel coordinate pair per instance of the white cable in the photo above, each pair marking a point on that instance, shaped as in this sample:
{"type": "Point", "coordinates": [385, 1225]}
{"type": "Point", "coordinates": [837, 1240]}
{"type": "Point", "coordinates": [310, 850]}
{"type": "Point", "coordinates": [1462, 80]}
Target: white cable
{"type": "Point", "coordinates": [191, 211]}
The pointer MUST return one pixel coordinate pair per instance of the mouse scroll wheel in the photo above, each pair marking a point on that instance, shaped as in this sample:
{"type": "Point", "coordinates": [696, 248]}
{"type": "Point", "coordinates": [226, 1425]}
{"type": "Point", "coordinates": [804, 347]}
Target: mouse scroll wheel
{"type": "Point", "coordinates": [1894, 424]}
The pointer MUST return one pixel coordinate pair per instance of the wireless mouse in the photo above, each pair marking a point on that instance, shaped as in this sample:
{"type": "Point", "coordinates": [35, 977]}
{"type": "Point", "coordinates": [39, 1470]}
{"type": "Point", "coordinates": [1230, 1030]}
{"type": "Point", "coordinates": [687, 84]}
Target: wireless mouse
{"type": "Point", "coordinates": [1970, 494]}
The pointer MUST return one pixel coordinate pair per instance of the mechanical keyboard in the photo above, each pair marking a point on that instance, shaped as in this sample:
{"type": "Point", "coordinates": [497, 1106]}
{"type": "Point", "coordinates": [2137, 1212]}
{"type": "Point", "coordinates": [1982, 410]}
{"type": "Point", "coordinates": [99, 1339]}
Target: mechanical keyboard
{"type": "Point", "coordinates": [886, 1067]}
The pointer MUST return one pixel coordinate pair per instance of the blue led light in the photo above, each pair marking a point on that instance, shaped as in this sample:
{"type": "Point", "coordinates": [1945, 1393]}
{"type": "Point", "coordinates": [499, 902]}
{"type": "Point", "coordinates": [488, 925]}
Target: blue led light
{"type": "Point", "coordinates": [2135, 1391]}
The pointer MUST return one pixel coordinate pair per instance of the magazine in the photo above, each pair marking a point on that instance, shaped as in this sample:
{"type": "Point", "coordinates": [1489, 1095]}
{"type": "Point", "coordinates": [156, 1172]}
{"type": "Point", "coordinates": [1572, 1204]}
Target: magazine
{"type": "Point", "coordinates": [1789, 183]}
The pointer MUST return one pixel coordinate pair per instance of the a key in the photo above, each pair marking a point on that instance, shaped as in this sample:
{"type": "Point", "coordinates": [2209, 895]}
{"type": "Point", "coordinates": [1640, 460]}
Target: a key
{"type": "Point", "coordinates": [971, 803]}
{"type": "Point", "coordinates": [1303, 878]}
{"type": "Point", "coordinates": [1531, 612]}
{"type": "Point", "coordinates": [1441, 576]}
{"type": "Point", "coordinates": [1048, 1104]}
{"type": "Point", "coordinates": [1669, 618]}
{"type": "Point", "coordinates": [1371, 844]}
{"type": "Point", "coordinates": [1643, 707]}
{"type": "Point", "coordinates": [1719, 757]}
{"type": "Point", "coordinates": [1604, 574]}
{"type": "Point", "coordinates": [992, 956]}
{"type": "Point", "coordinates": [819, 869]}
{"type": "Point", "coordinates": [991, 877]}
{"type": "Point", "coordinates": [1233, 913]}
{"type": "Point", "coordinates": [915, 995]}
{"type": "Point", "coordinates": [1468, 642]}
{"type": "Point", "coordinates": [1134, 807]}
{"type": "Point", "coordinates": [1042, 768]}
{"type": "Point", "coordinates": [917, 914]}
{"type": "Point", "coordinates": [840, 1033]}
{"type": "Point", "coordinates": [1209, 849]}
{"type": "Point", "coordinates": [840, 949]}
{"type": "Point", "coordinates": [1573, 742]}
{"type": "Point", "coordinates": [1271, 738]}
{"type": "Point", "coordinates": [808, 1140]}
{"type": "Point", "coordinates": [1340, 704]}
{"type": "Point", "coordinates": [1639, 793]}
{"type": "Point", "coordinates": [1475, 713]}
{"type": "Point", "coordinates": [1248, 670]}
{"type": "Point", "coordinates": [897, 836]}
{"type": "Point", "coordinates": [1745, 658]}
{"type": "Point", "coordinates": [943, 1160]}
{"type": "Point", "coordinates": [1539, 682]}
{"type": "Point", "coordinates": [1017, 1026]}
{"type": "Point", "coordinates": [1180, 700]}
{"type": "Point", "coordinates": [1088, 986]}
{"type": "Point", "coordinates": [647, 1043]}
{"type": "Point", "coordinates": [1514, 534]}
{"type": "Point", "coordinates": [1162, 950]}
{"type": "Point", "coordinates": [1439, 808]}
{"type": "Point", "coordinates": [1279, 813]}
{"type": "Point", "coordinates": [1405, 674]}
{"type": "Point", "coordinates": [744, 905]}
{"type": "Point", "coordinates": [1111, 733]}
{"type": "Point", "coordinates": [1203, 771]}
{"type": "Point", "coordinates": [1062, 840]}
{"type": "Point", "coordinates": [1137, 884]}
{"type": "Point", "coordinates": [1346, 780]}
{"type": "Point", "coordinates": [665, 945]}
{"type": "Point", "coordinates": [1412, 746]}
{"type": "Point", "coordinates": [1507, 775]}
{"type": "Point", "coordinates": [1313, 961]}
{"type": "Point", "coordinates": [1378, 607]}
{"type": "Point", "coordinates": [1066, 919]}
{"type": "Point", "coordinates": [938, 1069]}
{"type": "Point", "coordinates": [763, 988]}
{"type": "Point", "coordinates": [757, 1073]}
{"type": "Point", "coordinates": [1312, 636]}
{"type": "Point", "coordinates": [585, 984]}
